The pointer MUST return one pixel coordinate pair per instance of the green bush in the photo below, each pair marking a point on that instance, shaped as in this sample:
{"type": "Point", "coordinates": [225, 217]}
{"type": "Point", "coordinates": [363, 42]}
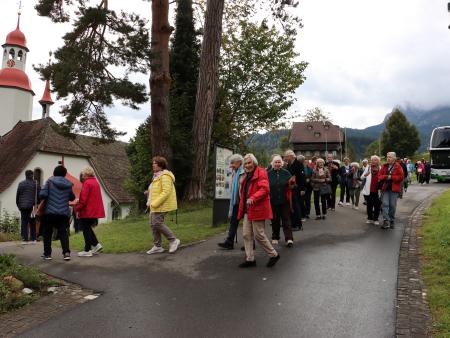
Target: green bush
{"type": "Point", "coordinates": [9, 224]}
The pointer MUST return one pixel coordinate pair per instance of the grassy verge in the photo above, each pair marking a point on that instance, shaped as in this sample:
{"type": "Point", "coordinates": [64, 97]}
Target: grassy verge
{"type": "Point", "coordinates": [134, 234]}
{"type": "Point", "coordinates": [436, 258]}
{"type": "Point", "coordinates": [14, 277]}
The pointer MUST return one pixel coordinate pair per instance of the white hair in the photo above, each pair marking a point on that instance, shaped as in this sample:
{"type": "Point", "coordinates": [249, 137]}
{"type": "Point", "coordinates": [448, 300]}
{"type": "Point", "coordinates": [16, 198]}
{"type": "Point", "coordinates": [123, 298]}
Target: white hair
{"type": "Point", "coordinates": [276, 157]}
{"type": "Point", "coordinates": [375, 157]}
{"type": "Point", "coordinates": [252, 158]}
{"type": "Point", "coordinates": [365, 160]}
{"type": "Point", "coordinates": [320, 160]}
{"type": "Point", "coordinates": [236, 158]}
{"type": "Point", "coordinates": [289, 153]}
{"type": "Point", "coordinates": [354, 164]}
{"type": "Point", "coordinates": [301, 158]}
{"type": "Point", "coordinates": [391, 154]}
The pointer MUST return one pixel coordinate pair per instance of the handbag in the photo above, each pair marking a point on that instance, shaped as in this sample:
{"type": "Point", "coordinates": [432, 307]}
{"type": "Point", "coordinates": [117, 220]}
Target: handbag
{"type": "Point", "coordinates": [42, 206]}
{"type": "Point", "coordinates": [325, 189]}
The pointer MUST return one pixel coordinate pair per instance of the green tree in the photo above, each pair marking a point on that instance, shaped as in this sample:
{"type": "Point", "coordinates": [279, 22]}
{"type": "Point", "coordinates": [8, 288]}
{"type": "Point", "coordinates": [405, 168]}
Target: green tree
{"type": "Point", "coordinates": [400, 136]}
{"type": "Point", "coordinates": [86, 68]}
{"type": "Point", "coordinates": [316, 114]}
{"type": "Point", "coordinates": [139, 154]}
{"type": "Point", "coordinates": [184, 62]}
{"type": "Point", "coordinates": [373, 149]}
{"type": "Point", "coordinates": [259, 74]}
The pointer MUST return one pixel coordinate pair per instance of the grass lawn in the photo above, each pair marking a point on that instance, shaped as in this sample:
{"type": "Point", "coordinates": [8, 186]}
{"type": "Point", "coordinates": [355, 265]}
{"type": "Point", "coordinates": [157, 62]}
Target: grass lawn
{"type": "Point", "coordinates": [134, 234]}
{"type": "Point", "coordinates": [436, 258]}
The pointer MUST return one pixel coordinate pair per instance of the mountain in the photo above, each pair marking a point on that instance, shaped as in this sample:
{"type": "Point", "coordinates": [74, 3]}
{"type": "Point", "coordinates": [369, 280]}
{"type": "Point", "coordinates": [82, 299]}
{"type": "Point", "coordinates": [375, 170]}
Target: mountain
{"type": "Point", "coordinates": [424, 119]}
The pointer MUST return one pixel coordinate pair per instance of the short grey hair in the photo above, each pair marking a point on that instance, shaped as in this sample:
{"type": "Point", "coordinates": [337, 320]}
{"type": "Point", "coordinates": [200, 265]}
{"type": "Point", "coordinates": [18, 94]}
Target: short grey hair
{"type": "Point", "coordinates": [289, 152]}
{"type": "Point", "coordinates": [375, 157]}
{"type": "Point", "coordinates": [252, 158]}
{"type": "Point", "coordinates": [88, 172]}
{"type": "Point", "coordinates": [300, 158]}
{"type": "Point", "coordinates": [391, 154]}
{"type": "Point", "coordinates": [236, 158]}
{"type": "Point", "coordinates": [354, 164]}
{"type": "Point", "coordinates": [320, 160]}
{"type": "Point", "coordinates": [365, 160]}
{"type": "Point", "coordinates": [276, 157]}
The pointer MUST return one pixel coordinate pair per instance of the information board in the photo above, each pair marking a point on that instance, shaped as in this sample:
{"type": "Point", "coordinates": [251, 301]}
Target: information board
{"type": "Point", "coordinates": [223, 173]}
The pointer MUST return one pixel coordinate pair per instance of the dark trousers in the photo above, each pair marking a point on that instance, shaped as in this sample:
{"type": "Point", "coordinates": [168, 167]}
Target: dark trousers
{"type": "Point", "coordinates": [345, 192]}
{"type": "Point", "coordinates": [25, 219]}
{"type": "Point", "coordinates": [281, 213]}
{"type": "Point", "coordinates": [320, 199]}
{"type": "Point", "coordinates": [234, 223]}
{"type": "Point", "coordinates": [307, 199]}
{"type": "Point", "coordinates": [373, 206]}
{"type": "Point", "coordinates": [90, 239]}
{"type": "Point", "coordinates": [331, 202]}
{"type": "Point", "coordinates": [59, 222]}
{"type": "Point", "coordinates": [296, 216]}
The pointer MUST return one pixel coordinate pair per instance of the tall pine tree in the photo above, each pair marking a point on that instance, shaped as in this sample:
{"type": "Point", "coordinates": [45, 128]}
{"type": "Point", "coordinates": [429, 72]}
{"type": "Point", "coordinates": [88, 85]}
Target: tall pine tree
{"type": "Point", "coordinates": [184, 62]}
{"type": "Point", "coordinates": [400, 136]}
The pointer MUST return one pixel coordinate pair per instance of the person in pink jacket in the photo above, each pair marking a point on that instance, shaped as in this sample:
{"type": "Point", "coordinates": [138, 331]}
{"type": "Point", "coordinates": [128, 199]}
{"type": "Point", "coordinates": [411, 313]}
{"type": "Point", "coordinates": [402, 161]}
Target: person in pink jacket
{"type": "Point", "coordinates": [89, 209]}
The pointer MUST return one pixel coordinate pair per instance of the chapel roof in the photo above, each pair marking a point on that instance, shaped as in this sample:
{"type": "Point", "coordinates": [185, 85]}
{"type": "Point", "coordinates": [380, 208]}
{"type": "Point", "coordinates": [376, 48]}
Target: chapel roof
{"type": "Point", "coordinates": [21, 144]}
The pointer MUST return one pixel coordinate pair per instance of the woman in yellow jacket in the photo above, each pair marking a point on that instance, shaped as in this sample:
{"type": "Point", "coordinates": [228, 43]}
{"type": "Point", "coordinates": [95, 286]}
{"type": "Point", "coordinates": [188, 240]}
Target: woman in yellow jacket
{"type": "Point", "coordinates": [162, 198]}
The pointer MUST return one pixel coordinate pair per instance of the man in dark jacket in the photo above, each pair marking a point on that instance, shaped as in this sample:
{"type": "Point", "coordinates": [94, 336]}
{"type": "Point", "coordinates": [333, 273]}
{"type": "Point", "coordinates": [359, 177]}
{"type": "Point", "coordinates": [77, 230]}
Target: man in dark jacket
{"type": "Point", "coordinates": [26, 199]}
{"type": "Point", "coordinates": [295, 167]}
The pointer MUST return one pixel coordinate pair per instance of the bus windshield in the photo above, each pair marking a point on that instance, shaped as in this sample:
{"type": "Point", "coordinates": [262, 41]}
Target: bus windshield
{"type": "Point", "coordinates": [441, 138]}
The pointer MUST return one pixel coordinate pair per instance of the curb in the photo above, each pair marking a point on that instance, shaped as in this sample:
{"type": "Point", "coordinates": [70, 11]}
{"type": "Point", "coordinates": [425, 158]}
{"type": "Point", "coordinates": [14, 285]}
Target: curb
{"type": "Point", "coordinates": [413, 318]}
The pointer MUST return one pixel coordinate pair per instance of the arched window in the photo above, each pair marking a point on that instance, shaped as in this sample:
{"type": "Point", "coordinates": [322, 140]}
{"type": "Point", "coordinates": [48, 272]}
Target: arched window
{"type": "Point", "coordinates": [116, 212]}
{"type": "Point", "coordinates": [38, 176]}
{"type": "Point", "coordinates": [20, 55]}
{"type": "Point", "coordinates": [12, 53]}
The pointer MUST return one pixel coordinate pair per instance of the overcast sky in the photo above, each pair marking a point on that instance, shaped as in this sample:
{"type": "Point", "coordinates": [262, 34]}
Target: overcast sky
{"type": "Point", "coordinates": [364, 56]}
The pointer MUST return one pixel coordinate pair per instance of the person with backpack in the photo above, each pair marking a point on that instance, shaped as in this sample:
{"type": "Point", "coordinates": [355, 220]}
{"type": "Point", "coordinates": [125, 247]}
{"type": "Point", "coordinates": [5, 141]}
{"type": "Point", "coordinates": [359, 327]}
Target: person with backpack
{"type": "Point", "coordinates": [390, 177]}
{"type": "Point", "coordinates": [57, 193]}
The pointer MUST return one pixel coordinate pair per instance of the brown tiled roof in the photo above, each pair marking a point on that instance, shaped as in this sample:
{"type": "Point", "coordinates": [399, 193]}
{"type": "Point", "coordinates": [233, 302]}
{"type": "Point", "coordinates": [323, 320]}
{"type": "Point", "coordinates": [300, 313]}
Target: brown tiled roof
{"type": "Point", "coordinates": [305, 132]}
{"type": "Point", "coordinates": [19, 146]}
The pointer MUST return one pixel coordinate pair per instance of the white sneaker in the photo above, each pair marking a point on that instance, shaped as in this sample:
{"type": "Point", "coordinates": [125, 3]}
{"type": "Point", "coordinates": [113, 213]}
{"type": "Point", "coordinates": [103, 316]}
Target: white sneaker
{"type": "Point", "coordinates": [274, 242]}
{"type": "Point", "coordinates": [353, 206]}
{"type": "Point", "coordinates": [33, 242]}
{"type": "Point", "coordinates": [369, 221]}
{"type": "Point", "coordinates": [97, 249]}
{"type": "Point", "coordinates": [341, 204]}
{"type": "Point", "coordinates": [347, 203]}
{"type": "Point", "coordinates": [173, 246]}
{"type": "Point", "coordinates": [376, 223]}
{"type": "Point", "coordinates": [155, 250]}
{"type": "Point", "coordinates": [290, 243]}
{"type": "Point", "coordinates": [85, 254]}
{"type": "Point", "coordinates": [356, 208]}
{"type": "Point", "coordinates": [24, 242]}
{"type": "Point", "coordinates": [303, 219]}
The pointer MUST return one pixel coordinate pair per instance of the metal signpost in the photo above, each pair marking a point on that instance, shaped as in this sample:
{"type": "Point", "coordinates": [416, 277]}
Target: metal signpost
{"type": "Point", "coordinates": [222, 185]}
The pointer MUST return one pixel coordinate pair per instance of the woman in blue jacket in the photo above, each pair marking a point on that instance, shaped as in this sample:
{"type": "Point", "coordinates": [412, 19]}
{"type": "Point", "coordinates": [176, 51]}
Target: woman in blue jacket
{"type": "Point", "coordinates": [57, 192]}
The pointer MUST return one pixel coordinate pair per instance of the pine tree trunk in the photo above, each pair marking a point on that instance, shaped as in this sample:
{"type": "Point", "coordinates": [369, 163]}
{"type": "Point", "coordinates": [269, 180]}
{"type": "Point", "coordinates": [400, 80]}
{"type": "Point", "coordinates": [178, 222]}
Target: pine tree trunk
{"type": "Point", "coordinates": [206, 97]}
{"type": "Point", "coordinates": [160, 79]}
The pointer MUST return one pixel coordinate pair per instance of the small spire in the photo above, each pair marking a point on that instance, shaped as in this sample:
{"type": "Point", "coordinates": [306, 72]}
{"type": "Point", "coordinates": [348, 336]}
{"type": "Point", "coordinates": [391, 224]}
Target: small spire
{"type": "Point", "coordinates": [19, 13]}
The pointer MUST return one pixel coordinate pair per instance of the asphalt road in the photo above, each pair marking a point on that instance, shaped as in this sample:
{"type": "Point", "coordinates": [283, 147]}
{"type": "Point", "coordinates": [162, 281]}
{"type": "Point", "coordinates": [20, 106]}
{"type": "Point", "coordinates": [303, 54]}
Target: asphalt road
{"type": "Point", "coordinates": [339, 280]}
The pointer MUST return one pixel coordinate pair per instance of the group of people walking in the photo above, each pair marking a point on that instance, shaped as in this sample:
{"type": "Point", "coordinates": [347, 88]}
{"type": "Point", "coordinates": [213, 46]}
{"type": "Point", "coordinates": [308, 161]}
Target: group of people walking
{"type": "Point", "coordinates": [280, 194]}
{"type": "Point", "coordinates": [52, 206]}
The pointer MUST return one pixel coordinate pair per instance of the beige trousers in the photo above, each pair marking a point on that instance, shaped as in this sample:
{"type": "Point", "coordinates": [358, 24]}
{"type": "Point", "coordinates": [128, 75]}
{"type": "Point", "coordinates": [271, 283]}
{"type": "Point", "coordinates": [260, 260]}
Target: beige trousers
{"type": "Point", "coordinates": [256, 229]}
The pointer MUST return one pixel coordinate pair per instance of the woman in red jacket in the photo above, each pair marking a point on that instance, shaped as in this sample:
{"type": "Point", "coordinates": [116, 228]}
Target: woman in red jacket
{"type": "Point", "coordinates": [89, 209]}
{"type": "Point", "coordinates": [391, 176]}
{"type": "Point", "coordinates": [254, 208]}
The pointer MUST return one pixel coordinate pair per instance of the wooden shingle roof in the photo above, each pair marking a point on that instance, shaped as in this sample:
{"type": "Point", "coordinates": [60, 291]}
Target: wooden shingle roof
{"type": "Point", "coordinates": [18, 147]}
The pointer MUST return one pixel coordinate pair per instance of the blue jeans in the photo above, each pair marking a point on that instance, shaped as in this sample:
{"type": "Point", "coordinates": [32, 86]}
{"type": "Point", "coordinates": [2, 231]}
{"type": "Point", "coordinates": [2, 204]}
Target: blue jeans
{"type": "Point", "coordinates": [234, 223]}
{"type": "Point", "coordinates": [389, 205]}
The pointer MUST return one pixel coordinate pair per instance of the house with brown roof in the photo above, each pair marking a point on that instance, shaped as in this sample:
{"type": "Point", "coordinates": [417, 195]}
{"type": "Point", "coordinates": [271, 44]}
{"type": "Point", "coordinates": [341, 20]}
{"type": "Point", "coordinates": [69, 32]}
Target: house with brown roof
{"type": "Point", "coordinates": [317, 139]}
{"type": "Point", "coordinates": [37, 145]}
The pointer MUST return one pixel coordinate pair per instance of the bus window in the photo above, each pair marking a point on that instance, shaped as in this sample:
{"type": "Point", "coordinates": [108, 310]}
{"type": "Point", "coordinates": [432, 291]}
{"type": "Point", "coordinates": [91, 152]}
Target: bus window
{"type": "Point", "coordinates": [441, 138]}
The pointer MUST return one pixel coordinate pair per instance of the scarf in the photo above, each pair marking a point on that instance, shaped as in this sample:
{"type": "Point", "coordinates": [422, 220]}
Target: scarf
{"type": "Point", "coordinates": [235, 189]}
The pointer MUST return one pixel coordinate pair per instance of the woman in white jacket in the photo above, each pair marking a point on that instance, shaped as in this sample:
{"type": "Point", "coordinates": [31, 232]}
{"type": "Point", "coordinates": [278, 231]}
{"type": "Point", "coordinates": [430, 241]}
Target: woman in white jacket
{"type": "Point", "coordinates": [366, 176]}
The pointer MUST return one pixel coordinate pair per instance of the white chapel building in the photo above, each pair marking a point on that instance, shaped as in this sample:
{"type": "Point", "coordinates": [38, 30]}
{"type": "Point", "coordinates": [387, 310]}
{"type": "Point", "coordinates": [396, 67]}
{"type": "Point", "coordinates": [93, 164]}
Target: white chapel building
{"type": "Point", "coordinates": [27, 144]}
